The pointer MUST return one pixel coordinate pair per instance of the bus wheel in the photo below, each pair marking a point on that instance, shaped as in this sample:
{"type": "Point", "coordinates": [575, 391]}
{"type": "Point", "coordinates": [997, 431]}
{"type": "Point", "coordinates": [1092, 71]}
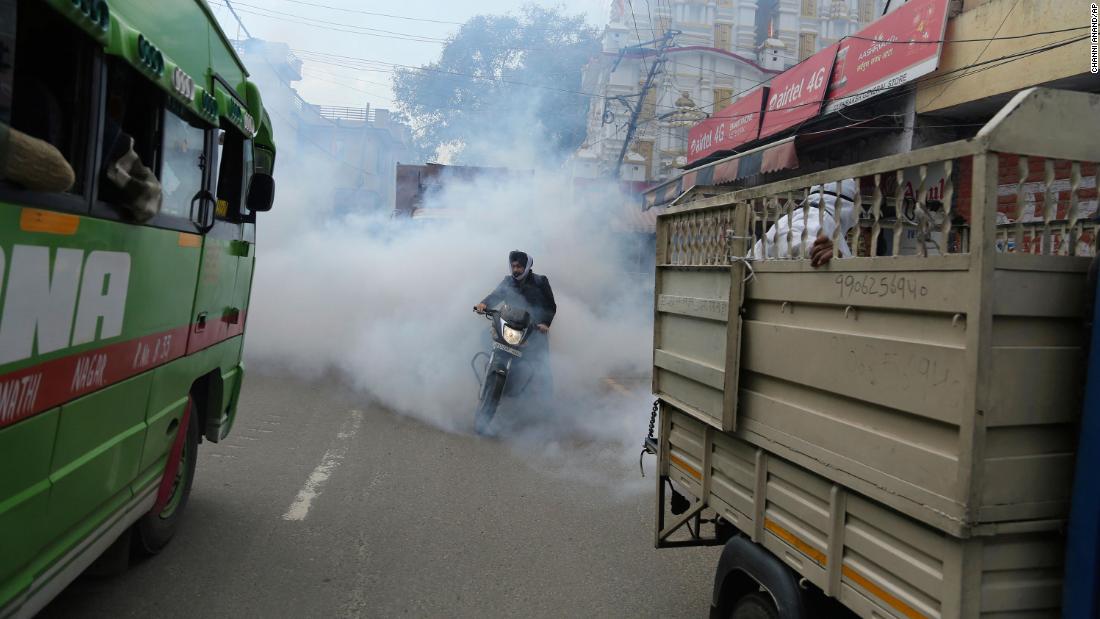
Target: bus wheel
{"type": "Point", "coordinates": [155, 529]}
{"type": "Point", "coordinates": [755, 606]}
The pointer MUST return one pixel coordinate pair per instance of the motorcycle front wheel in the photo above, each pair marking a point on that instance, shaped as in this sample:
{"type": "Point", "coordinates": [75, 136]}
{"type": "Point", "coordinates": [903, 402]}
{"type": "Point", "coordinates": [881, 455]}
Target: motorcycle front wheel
{"type": "Point", "coordinates": [490, 399]}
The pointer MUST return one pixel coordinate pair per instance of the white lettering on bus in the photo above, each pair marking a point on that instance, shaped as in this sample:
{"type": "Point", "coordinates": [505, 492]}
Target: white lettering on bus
{"type": "Point", "coordinates": [40, 300]}
{"type": "Point", "coordinates": [102, 295]}
{"type": "Point", "coordinates": [89, 372]}
{"type": "Point", "coordinates": [146, 354]}
{"type": "Point", "coordinates": [18, 396]}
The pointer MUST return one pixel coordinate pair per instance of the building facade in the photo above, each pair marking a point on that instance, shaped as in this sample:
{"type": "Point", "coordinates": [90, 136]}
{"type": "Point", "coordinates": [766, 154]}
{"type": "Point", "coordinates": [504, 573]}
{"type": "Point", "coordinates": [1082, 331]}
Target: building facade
{"type": "Point", "coordinates": [362, 145]}
{"type": "Point", "coordinates": [702, 54]}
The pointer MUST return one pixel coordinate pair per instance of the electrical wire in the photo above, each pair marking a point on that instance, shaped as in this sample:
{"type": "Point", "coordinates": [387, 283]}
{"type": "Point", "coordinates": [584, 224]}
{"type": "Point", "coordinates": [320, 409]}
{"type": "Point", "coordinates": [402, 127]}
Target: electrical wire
{"type": "Point", "coordinates": [392, 68]}
{"type": "Point", "coordinates": [312, 69]}
{"type": "Point", "coordinates": [637, 33]}
{"type": "Point", "coordinates": [937, 41]}
{"type": "Point", "coordinates": [279, 115]}
{"type": "Point", "coordinates": [406, 36]}
{"type": "Point", "coordinates": [238, 18]}
{"type": "Point", "coordinates": [347, 87]}
{"type": "Point", "coordinates": [374, 14]}
{"type": "Point", "coordinates": [388, 67]}
{"type": "Point", "coordinates": [379, 66]}
{"type": "Point", "coordinates": [933, 80]}
{"type": "Point", "coordinates": [361, 30]}
{"type": "Point", "coordinates": [327, 25]}
{"type": "Point", "coordinates": [652, 26]}
{"type": "Point", "coordinates": [986, 48]}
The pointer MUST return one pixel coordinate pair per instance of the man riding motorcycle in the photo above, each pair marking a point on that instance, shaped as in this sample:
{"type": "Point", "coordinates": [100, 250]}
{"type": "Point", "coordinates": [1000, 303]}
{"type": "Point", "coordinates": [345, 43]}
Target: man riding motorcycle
{"type": "Point", "coordinates": [525, 289]}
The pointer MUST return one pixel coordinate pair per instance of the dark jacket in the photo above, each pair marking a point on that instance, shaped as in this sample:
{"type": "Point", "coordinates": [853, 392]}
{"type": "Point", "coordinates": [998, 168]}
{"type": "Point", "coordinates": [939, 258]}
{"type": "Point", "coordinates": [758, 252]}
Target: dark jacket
{"type": "Point", "coordinates": [532, 294]}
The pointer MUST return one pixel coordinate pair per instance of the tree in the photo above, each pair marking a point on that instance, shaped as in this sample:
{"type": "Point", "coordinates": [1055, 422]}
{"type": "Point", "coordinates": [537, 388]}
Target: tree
{"type": "Point", "coordinates": [501, 77]}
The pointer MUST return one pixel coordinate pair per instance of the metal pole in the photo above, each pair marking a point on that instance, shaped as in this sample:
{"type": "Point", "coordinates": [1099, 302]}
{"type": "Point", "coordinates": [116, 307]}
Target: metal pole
{"type": "Point", "coordinates": [240, 23]}
{"type": "Point", "coordinates": [636, 112]}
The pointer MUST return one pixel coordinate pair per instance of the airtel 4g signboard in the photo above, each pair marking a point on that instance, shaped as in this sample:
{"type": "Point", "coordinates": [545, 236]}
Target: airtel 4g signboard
{"type": "Point", "coordinates": [797, 93]}
{"type": "Point", "coordinates": [892, 51]}
{"type": "Point", "coordinates": [734, 125]}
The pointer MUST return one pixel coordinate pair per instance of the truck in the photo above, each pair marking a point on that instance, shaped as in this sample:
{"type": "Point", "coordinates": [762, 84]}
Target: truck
{"type": "Point", "coordinates": [895, 433]}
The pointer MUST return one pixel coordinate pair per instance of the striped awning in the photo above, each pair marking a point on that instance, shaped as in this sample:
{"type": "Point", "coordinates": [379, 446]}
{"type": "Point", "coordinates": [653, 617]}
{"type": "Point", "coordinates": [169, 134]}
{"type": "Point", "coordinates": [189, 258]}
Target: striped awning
{"type": "Point", "coordinates": [636, 221]}
{"type": "Point", "coordinates": [778, 155]}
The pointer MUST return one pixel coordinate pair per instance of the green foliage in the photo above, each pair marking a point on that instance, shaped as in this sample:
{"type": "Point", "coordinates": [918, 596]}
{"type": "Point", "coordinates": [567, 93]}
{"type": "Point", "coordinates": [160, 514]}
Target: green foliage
{"type": "Point", "coordinates": [474, 92]}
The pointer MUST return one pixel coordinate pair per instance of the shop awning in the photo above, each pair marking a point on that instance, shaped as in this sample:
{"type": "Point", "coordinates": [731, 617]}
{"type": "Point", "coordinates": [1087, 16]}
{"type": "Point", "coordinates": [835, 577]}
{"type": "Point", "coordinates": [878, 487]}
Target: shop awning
{"type": "Point", "coordinates": [779, 155]}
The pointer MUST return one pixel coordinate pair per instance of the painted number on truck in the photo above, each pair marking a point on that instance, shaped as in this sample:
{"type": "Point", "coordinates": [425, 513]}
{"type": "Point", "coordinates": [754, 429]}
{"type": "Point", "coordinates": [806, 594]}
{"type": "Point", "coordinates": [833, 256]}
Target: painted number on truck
{"type": "Point", "coordinates": [880, 286]}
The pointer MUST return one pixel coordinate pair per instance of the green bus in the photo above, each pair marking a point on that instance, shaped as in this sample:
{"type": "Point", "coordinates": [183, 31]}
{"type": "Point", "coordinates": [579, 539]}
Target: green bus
{"type": "Point", "coordinates": [134, 157]}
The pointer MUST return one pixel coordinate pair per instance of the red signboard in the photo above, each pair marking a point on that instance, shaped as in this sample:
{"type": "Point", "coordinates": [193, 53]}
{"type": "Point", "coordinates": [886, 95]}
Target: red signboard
{"type": "Point", "coordinates": [893, 50]}
{"type": "Point", "coordinates": [797, 93]}
{"type": "Point", "coordinates": [733, 126]}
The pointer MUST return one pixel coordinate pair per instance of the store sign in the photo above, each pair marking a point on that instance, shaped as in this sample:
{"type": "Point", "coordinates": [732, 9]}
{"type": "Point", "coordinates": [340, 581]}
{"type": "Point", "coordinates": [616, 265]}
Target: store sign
{"type": "Point", "coordinates": [736, 124]}
{"type": "Point", "coordinates": [935, 182]}
{"type": "Point", "coordinates": [894, 50]}
{"type": "Point", "coordinates": [797, 93]}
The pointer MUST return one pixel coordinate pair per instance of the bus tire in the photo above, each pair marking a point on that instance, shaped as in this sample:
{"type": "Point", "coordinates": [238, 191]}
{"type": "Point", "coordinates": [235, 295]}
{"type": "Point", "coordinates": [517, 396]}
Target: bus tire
{"type": "Point", "coordinates": [155, 529]}
{"type": "Point", "coordinates": [755, 606]}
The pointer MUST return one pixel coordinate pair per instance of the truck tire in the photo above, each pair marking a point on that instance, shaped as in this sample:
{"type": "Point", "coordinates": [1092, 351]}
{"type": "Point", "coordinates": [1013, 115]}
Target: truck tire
{"type": "Point", "coordinates": [155, 529]}
{"type": "Point", "coordinates": [490, 399]}
{"type": "Point", "coordinates": [755, 606]}
{"type": "Point", "coordinates": [747, 569]}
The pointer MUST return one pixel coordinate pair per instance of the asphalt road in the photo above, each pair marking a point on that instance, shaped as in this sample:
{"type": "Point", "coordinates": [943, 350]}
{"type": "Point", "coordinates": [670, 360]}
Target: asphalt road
{"type": "Point", "coordinates": [321, 504]}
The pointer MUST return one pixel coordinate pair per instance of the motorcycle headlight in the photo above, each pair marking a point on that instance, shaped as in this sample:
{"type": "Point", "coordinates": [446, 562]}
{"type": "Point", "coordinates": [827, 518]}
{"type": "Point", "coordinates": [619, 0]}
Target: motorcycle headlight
{"type": "Point", "coordinates": [512, 336]}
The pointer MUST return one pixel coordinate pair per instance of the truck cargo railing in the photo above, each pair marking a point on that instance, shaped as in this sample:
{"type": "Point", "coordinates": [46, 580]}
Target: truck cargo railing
{"type": "Point", "coordinates": [946, 327]}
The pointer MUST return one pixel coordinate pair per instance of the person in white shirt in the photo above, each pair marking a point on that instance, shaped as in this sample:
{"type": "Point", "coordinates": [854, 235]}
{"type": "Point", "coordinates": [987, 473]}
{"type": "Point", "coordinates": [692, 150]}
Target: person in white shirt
{"type": "Point", "coordinates": [819, 221]}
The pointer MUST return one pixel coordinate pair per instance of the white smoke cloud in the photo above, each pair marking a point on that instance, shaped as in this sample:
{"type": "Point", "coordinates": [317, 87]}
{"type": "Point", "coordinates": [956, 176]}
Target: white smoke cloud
{"type": "Point", "coordinates": [388, 304]}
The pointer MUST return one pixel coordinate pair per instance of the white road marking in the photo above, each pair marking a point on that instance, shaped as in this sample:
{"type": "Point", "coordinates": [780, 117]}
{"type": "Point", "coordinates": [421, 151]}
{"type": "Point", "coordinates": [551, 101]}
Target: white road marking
{"type": "Point", "coordinates": [299, 509]}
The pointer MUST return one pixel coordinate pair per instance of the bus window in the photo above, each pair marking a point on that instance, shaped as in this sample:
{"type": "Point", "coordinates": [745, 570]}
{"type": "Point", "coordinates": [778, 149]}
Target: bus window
{"type": "Point", "coordinates": [49, 90]}
{"type": "Point", "coordinates": [181, 171]}
{"type": "Point", "coordinates": [132, 131]}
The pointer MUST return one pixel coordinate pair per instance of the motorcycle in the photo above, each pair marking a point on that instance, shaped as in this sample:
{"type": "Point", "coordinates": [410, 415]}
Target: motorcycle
{"type": "Point", "coordinates": [504, 371]}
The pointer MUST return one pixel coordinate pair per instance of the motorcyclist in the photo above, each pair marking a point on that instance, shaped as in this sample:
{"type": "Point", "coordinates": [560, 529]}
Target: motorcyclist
{"type": "Point", "coordinates": [527, 290]}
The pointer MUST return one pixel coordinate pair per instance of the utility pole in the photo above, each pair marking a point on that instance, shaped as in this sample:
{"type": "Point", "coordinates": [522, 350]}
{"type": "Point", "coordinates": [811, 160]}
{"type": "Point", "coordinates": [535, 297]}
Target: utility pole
{"type": "Point", "coordinates": [663, 43]}
{"type": "Point", "coordinates": [240, 23]}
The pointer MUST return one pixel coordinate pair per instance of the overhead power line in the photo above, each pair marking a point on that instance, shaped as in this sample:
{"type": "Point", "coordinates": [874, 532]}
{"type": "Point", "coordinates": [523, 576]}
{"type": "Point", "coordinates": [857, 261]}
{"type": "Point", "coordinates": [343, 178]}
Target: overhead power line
{"type": "Point", "coordinates": [374, 14]}
{"type": "Point", "coordinates": [331, 26]}
{"type": "Point", "coordinates": [238, 18]}
{"type": "Point", "coordinates": [325, 25]}
{"type": "Point", "coordinates": [929, 80]}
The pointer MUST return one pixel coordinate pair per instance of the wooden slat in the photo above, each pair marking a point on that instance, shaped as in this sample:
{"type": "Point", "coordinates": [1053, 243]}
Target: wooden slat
{"type": "Point", "coordinates": [1038, 293]}
{"type": "Point", "coordinates": [922, 379]}
{"type": "Point", "coordinates": [689, 368]}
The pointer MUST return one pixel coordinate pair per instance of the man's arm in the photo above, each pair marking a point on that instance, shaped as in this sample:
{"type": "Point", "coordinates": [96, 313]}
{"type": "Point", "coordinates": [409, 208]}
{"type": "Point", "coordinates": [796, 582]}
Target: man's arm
{"type": "Point", "coordinates": [551, 306]}
{"type": "Point", "coordinates": [496, 296]}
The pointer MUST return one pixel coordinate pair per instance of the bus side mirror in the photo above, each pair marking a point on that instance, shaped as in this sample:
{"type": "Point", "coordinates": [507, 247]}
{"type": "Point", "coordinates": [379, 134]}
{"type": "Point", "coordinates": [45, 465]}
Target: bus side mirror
{"type": "Point", "coordinates": [261, 193]}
